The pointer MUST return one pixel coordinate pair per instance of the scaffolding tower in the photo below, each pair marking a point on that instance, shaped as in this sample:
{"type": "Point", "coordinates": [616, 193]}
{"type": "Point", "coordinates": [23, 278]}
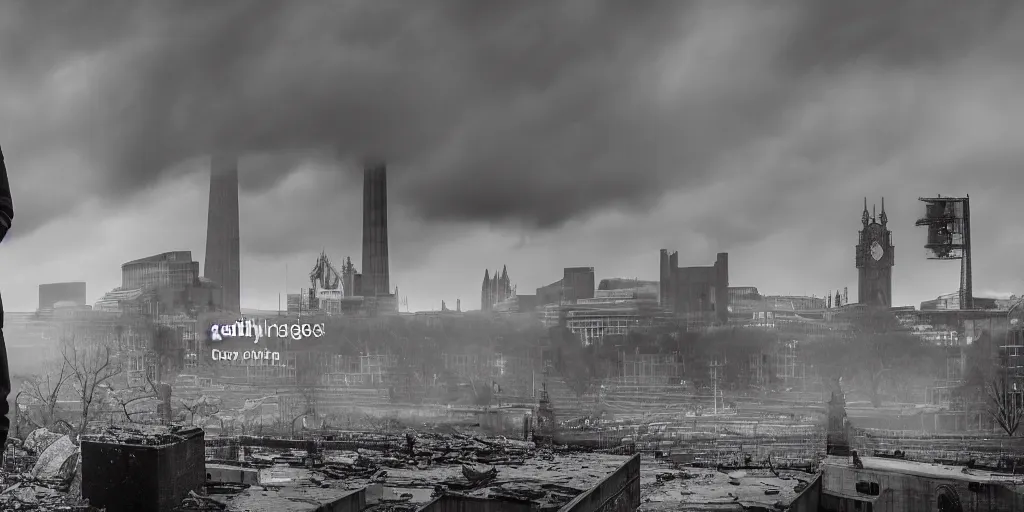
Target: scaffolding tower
{"type": "Point", "coordinates": [792, 371]}
{"type": "Point", "coordinates": [948, 220]}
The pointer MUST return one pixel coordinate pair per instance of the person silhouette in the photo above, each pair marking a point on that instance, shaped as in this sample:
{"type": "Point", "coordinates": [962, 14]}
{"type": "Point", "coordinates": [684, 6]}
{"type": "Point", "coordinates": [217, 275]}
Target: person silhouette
{"type": "Point", "coordinates": [6, 216]}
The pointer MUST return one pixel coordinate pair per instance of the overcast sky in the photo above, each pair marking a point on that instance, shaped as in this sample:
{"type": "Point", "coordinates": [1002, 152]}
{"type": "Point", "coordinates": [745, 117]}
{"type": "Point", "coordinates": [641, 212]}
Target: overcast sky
{"type": "Point", "coordinates": [532, 134]}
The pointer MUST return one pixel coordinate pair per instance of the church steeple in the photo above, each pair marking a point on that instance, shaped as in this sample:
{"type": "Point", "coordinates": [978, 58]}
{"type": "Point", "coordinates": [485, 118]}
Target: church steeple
{"type": "Point", "coordinates": [865, 217]}
{"type": "Point", "coordinates": [485, 292]}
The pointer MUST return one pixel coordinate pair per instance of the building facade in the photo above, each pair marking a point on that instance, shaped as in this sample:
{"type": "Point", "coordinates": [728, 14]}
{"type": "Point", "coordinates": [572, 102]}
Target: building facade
{"type": "Point", "coordinates": [577, 283]}
{"type": "Point", "coordinates": [52, 293]}
{"type": "Point", "coordinates": [550, 294]}
{"type": "Point", "coordinates": [874, 260]}
{"type": "Point", "coordinates": [173, 269]}
{"type": "Point", "coordinates": [700, 293]}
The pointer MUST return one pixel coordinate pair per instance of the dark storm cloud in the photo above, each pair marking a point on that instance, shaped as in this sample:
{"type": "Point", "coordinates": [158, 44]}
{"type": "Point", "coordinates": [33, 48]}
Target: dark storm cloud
{"type": "Point", "coordinates": [903, 34]}
{"type": "Point", "coordinates": [533, 112]}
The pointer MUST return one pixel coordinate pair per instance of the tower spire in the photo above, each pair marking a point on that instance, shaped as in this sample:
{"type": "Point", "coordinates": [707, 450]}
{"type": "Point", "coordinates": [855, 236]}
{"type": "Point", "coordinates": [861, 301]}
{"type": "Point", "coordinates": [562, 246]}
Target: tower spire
{"type": "Point", "coordinates": [883, 217]}
{"type": "Point", "coordinates": [864, 216]}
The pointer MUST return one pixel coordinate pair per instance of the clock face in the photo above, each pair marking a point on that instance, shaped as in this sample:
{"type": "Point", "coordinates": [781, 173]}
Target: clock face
{"type": "Point", "coordinates": [876, 251]}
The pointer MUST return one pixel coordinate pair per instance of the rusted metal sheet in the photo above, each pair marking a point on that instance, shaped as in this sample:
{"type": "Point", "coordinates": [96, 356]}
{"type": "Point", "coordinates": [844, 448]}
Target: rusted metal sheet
{"type": "Point", "coordinates": [618, 492]}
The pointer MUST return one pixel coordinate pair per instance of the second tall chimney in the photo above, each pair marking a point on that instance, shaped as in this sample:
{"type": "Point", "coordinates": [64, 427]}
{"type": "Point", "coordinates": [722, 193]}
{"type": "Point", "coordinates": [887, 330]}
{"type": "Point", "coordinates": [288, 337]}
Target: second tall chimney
{"type": "Point", "coordinates": [376, 276]}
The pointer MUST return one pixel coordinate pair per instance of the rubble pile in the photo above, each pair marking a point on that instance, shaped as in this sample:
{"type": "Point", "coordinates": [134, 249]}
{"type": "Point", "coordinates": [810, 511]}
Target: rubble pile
{"type": "Point", "coordinates": [401, 475]}
{"type": "Point", "coordinates": [43, 473]}
{"type": "Point", "coordinates": [197, 503]}
{"type": "Point", "coordinates": [141, 435]}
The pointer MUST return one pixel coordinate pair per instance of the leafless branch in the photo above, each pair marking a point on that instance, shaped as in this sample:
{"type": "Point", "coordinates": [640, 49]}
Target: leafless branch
{"type": "Point", "coordinates": [46, 389]}
{"type": "Point", "coordinates": [1002, 406]}
{"type": "Point", "coordinates": [90, 366]}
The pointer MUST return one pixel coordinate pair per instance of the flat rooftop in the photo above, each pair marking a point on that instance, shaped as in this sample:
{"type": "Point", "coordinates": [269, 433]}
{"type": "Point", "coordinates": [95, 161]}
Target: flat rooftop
{"type": "Point", "coordinates": [925, 469]}
{"type": "Point", "coordinates": [664, 487]}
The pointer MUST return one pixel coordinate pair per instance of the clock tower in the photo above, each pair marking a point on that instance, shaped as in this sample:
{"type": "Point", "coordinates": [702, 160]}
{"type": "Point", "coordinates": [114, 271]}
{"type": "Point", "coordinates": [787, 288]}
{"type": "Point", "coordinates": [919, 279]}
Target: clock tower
{"type": "Point", "coordinates": [874, 259]}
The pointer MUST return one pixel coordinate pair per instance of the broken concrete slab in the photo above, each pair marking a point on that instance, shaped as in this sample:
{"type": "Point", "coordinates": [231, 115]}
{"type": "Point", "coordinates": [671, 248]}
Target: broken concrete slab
{"type": "Point", "coordinates": [283, 476]}
{"type": "Point", "coordinates": [223, 473]}
{"type": "Point", "coordinates": [39, 439]}
{"type": "Point", "coordinates": [55, 457]}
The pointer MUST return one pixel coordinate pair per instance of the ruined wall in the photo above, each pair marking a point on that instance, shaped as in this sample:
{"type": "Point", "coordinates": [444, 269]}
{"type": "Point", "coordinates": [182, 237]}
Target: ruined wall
{"type": "Point", "coordinates": [809, 499]}
{"type": "Point", "coordinates": [618, 492]}
{"type": "Point", "coordinates": [160, 476]}
{"type": "Point", "coordinates": [898, 492]}
{"type": "Point", "coordinates": [695, 291]}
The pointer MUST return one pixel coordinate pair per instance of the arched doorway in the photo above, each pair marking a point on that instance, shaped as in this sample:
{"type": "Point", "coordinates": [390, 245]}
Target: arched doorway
{"type": "Point", "coordinates": [948, 500]}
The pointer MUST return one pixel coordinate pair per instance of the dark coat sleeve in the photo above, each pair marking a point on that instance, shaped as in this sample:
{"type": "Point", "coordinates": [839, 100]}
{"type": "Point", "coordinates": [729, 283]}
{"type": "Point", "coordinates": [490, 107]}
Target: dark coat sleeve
{"type": "Point", "coordinates": [6, 205]}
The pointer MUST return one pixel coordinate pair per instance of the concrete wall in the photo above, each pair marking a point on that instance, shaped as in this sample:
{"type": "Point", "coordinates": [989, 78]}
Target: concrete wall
{"type": "Point", "coordinates": [354, 501]}
{"type": "Point", "coordinates": [619, 491]}
{"type": "Point", "coordinates": [809, 499]}
{"type": "Point", "coordinates": [898, 492]}
{"type": "Point", "coordinates": [459, 503]}
{"type": "Point", "coordinates": [159, 476]}
{"type": "Point", "coordinates": [220, 473]}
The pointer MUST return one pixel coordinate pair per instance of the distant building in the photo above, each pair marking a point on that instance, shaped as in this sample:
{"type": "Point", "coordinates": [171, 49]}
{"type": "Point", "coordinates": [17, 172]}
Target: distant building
{"type": "Point", "coordinates": [874, 259]}
{"type": "Point", "coordinates": [743, 292]}
{"type": "Point", "coordinates": [697, 293]}
{"type": "Point", "coordinates": [175, 269]}
{"type": "Point", "coordinates": [643, 289]}
{"type": "Point", "coordinates": [616, 308]}
{"type": "Point", "coordinates": [612, 313]}
{"type": "Point", "coordinates": [517, 304]}
{"type": "Point", "coordinates": [52, 293]}
{"type": "Point", "coordinates": [161, 290]}
{"type": "Point", "coordinates": [550, 294]}
{"type": "Point", "coordinates": [164, 284]}
{"type": "Point", "coordinates": [577, 283]}
{"type": "Point", "coordinates": [951, 301]}
{"type": "Point", "coordinates": [495, 289]}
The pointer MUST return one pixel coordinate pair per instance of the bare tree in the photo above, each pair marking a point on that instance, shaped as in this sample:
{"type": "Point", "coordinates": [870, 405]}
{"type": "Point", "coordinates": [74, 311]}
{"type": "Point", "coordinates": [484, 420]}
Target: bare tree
{"type": "Point", "coordinates": [1003, 406]}
{"type": "Point", "coordinates": [90, 364]}
{"type": "Point", "coordinates": [46, 389]}
{"type": "Point", "coordinates": [202, 405]}
{"type": "Point", "coordinates": [123, 399]}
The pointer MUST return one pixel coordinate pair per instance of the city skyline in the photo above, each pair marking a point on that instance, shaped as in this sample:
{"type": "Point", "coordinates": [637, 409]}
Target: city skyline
{"type": "Point", "coordinates": [541, 273]}
{"type": "Point", "coordinates": [599, 153]}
